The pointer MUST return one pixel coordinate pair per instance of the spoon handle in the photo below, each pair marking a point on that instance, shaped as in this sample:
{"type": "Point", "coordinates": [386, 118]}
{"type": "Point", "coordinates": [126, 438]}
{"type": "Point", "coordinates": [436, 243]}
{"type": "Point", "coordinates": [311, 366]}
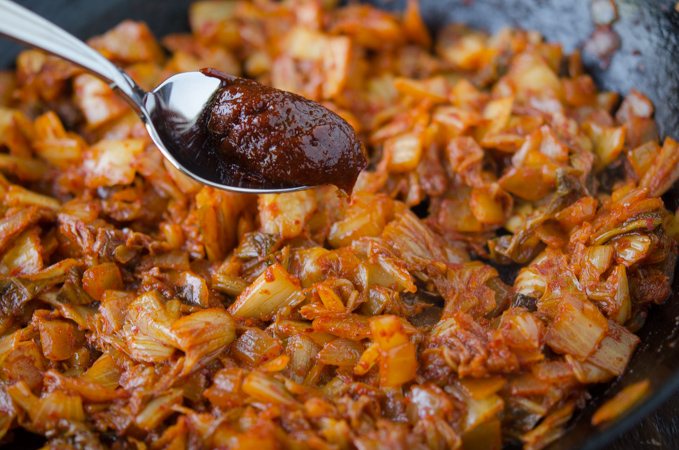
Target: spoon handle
{"type": "Point", "coordinates": [26, 27]}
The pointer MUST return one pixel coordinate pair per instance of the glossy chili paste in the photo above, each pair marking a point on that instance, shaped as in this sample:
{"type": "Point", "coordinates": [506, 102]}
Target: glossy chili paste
{"type": "Point", "coordinates": [282, 137]}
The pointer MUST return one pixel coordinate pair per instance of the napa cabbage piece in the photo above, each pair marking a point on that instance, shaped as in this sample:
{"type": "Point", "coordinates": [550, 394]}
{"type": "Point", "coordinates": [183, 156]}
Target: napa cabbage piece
{"type": "Point", "coordinates": [272, 290]}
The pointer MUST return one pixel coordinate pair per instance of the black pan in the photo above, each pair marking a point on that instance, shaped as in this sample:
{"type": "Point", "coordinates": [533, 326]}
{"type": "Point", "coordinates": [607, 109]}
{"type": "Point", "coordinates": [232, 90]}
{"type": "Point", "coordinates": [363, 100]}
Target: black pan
{"type": "Point", "coordinates": [647, 61]}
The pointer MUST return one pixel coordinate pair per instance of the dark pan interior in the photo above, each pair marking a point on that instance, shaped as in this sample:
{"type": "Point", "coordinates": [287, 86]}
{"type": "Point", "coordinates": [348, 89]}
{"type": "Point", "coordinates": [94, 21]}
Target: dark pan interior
{"type": "Point", "coordinates": [647, 61]}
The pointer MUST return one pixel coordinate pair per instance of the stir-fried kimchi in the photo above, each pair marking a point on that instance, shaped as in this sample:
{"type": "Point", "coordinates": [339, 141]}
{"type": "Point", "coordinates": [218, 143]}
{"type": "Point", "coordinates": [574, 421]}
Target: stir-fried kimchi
{"type": "Point", "coordinates": [493, 262]}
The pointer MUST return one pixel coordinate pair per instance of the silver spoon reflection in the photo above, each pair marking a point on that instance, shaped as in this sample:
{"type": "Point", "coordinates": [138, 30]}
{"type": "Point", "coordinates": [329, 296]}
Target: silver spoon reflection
{"type": "Point", "coordinates": [172, 112]}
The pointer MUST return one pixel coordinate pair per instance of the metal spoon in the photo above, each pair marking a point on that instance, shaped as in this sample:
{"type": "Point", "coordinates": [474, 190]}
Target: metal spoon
{"type": "Point", "coordinates": [171, 112]}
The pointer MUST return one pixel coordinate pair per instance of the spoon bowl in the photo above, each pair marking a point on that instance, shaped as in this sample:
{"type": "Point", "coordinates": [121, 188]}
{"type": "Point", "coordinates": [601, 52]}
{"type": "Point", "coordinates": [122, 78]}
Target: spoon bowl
{"type": "Point", "coordinates": [174, 117]}
{"type": "Point", "coordinates": [173, 113]}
